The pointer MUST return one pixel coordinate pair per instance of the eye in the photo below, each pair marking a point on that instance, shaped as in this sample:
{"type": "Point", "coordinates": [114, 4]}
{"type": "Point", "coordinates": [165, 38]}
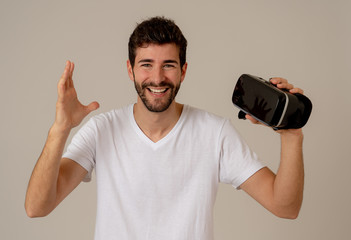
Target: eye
{"type": "Point", "coordinates": [146, 65]}
{"type": "Point", "coordinates": [168, 66]}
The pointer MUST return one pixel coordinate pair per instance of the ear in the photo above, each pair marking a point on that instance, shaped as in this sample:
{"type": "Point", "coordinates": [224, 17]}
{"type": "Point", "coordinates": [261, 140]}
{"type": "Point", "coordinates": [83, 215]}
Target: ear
{"type": "Point", "coordinates": [184, 68]}
{"type": "Point", "coordinates": [130, 70]}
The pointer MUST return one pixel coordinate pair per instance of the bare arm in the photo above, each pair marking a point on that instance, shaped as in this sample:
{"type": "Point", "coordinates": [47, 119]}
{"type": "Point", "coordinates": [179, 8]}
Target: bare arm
{"type": "Point", "coordinates": [54, 178]}
{"type": "Point", "coordinates": [281, 193]}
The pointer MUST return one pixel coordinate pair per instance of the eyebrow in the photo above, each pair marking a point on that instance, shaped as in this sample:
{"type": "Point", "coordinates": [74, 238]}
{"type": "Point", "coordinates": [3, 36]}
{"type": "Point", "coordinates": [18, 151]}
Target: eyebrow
{"type": "Point", "coordinates": [170, 61]}
{"type": "Point", "coordinates": [150, 61]}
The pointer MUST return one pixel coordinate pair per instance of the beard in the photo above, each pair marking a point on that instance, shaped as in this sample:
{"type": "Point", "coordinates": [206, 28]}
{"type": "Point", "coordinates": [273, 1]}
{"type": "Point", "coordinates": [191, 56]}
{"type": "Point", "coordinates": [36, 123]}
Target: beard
{"type": "Point", "coordinates": [157, 105]}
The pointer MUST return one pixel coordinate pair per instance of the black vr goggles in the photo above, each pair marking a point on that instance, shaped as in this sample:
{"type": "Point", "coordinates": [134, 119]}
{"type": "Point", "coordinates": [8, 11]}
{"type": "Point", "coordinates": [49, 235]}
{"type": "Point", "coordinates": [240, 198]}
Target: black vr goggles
{"type": "Point", "coordinates": [270, 105]}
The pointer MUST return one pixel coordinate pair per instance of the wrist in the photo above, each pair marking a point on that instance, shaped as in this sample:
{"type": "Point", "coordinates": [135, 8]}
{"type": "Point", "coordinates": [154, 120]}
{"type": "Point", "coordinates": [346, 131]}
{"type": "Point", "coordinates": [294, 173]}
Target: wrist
{"type": "Point", "coordinates": [59, 131]}
{"type": "Point", "coordinates": [291, 135]}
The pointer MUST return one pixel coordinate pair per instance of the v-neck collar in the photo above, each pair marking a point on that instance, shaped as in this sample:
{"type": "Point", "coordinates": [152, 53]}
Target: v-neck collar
{"type": "Point", "coordinates": [163, 140]}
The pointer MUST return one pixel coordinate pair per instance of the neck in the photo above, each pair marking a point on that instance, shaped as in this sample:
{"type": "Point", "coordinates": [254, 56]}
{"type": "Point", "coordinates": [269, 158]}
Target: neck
{"type": "Point", "coordinates": [156, 125]}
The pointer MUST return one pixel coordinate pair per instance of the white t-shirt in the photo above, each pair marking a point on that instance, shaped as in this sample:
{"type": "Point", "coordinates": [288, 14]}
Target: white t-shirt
{"type": "Point", "coordinates": [162, 190]}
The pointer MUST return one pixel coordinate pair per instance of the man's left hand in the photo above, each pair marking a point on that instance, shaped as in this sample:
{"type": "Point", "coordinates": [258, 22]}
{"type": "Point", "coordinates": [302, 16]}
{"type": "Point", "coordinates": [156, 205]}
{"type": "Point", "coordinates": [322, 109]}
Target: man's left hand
{"type": "Point", "coordinates": [281, 83]}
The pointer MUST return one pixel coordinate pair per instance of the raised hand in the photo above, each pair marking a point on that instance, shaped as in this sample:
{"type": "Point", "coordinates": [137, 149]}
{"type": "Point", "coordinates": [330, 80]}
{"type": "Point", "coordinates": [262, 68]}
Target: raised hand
{"type": "Point", "coordinates": [69, 110]}
{"type": "Point", "coordinates": [283, 84]}
{"type": "Point", "coordinates": [54, 177]}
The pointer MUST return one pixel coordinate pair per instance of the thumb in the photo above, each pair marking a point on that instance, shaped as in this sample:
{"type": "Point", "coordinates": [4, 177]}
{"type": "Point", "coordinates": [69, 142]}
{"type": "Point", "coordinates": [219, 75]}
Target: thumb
{"type": "Point", "coordinates": [254, 121]}
{"type": "Point", "coordinates": [92, 107]}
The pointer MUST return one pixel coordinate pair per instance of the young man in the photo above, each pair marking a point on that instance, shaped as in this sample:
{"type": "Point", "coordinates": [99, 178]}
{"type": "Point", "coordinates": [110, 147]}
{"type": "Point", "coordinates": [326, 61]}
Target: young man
{"type": "Point", "coordinates": [158, 163]}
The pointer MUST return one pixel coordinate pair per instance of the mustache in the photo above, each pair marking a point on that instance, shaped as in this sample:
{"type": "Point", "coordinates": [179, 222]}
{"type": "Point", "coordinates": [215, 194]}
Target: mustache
{"type": "Point", "coordinates": [162, 84]}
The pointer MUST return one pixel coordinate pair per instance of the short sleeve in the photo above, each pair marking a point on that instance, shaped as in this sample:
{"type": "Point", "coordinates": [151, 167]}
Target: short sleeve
{"type": "Point", "coordinates": [237, 161]}
{"type": "Point", "coordinates": [82, 148]}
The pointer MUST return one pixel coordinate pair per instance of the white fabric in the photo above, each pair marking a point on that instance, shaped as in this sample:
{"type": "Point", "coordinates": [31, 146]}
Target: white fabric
{"type": "Point", "coordinates": [163, 190]}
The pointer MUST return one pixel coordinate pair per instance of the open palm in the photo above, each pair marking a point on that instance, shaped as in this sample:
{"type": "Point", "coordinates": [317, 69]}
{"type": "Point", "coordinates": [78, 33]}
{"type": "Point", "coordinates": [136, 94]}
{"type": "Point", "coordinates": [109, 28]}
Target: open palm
{"type": "Point", "coordinates": [69, 110]}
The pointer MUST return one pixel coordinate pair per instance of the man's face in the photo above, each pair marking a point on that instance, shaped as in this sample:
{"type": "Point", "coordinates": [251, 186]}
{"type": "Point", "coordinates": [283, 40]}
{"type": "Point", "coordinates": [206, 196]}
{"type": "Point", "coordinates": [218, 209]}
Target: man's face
{"type": "Point", "coordinates": [157, 75]}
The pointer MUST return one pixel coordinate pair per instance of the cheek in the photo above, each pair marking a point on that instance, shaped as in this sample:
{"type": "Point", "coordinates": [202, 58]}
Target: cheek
{"type": "Point", "coordinates": [173, 76]}
{"type": "Point", "coordinates": [141, 75]}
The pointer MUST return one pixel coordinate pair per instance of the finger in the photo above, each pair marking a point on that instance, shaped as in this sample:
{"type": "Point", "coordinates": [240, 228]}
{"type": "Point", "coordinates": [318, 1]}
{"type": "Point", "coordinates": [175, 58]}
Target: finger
{"type": "Point", "coordinates": [70, 82]}
{"type": "Point", "coordinates": [72, 68]}
{"type": "Point", "coordinates": [67, 74]}
{"type": "Point", "coordinates": [286, 85]}
{"type": "Point", "coordinates": [278, 80]}
{"type": "Point", "coordinates": [61, 86]}
{"type": "Point", "coordinates": [66, 70]}
{"type": "Point", "coordinates": [281, 83]}
{"type": "Point", "coordinates": [296, 90]}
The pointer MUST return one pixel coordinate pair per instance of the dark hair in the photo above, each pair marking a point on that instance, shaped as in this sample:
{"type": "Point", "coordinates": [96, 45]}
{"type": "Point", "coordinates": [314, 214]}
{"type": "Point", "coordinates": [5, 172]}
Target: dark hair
{"type": "Point", "coordinates": [157, 30]}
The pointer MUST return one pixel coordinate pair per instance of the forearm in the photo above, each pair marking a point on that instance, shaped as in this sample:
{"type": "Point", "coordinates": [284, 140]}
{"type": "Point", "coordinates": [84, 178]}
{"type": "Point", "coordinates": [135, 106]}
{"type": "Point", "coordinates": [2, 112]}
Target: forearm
{"type": "Point", "coordinates": [289, 181]}
{"type": "Point", "coordinates": [42, 187]}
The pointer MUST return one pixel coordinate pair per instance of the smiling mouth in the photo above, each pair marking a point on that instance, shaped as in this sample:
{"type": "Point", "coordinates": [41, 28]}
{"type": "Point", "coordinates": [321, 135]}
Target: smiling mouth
{"type": "Point", "coordinates": [157, 91]}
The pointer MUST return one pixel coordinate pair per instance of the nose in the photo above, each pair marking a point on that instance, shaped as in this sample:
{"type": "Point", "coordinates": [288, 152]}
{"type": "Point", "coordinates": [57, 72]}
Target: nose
{"type": "Point", "coordinates": [158, 75]}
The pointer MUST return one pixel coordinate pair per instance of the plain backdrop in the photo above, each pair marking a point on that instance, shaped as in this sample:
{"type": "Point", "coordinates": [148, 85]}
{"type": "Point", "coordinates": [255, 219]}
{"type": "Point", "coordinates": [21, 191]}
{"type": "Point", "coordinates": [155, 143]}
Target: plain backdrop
{"type": "Point", "coordinates": [307, 42]}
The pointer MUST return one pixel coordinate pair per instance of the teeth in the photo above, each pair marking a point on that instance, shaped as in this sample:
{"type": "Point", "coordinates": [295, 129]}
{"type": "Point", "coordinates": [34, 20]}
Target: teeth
{"type": "Point", "coordinates": [158, 90]}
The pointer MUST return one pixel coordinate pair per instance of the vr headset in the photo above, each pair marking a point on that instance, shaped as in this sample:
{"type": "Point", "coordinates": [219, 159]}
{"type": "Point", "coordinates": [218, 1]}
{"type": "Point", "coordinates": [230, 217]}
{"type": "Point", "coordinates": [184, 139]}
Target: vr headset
{"type": "Point", "coordinates": [270, 105]}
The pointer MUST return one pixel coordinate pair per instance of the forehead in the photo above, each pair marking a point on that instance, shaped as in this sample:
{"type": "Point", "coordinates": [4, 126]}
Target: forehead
{"type": "Point", "coordinates": [165, 51]}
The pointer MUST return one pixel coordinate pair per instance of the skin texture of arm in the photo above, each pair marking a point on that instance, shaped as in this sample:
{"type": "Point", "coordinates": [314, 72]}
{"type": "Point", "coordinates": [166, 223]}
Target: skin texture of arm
{"type": "Point", "coordinates": [281, 193]}
{"type": "Point", "coordinates": [53, 178]}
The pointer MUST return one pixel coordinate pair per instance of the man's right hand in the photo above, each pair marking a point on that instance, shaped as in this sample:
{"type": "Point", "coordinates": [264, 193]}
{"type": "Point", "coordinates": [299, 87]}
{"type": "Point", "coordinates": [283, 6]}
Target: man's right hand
{"type": "Point", "coordinates": [54, 177]}
{"type": "Point", "coordinates": [69, 111]}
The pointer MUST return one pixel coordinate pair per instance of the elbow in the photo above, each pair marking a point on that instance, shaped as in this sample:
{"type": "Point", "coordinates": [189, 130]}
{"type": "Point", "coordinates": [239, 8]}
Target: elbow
{"type": "Point", "coordinates": [31, 214]}
{"type": "Point", "coordinates": [290, 216]}
{"type": "Point", "coordinates": [288, 212]}
{"type": "Point", "coordinates": [35, 211]}
{"type": "Point", "coordinates": [35, 214]}
{"type": "Point", "coordinates": [288, 209]}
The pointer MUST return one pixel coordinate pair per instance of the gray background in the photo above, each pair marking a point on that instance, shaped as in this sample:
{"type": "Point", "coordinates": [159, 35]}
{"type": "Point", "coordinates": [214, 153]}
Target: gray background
{"type": "Point", "coordinates": [307, 42]}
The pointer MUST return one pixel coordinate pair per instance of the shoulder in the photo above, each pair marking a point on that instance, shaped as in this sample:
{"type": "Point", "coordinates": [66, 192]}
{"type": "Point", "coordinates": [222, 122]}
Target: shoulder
{"type": "Point", "coordinates": [115, 116]}
{"type": "Point", "coordinates": [199, 118]}
{"type": "Point", "coordinates": [201, 115]}
{"type": "Point", "coordinates": [210, 121]}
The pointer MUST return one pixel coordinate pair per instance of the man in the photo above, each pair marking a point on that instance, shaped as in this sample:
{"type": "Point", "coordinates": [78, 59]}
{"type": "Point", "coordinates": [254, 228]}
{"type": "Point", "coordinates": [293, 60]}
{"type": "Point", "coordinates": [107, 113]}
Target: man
{"type": "Point", "coordinates": [158, 163]}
